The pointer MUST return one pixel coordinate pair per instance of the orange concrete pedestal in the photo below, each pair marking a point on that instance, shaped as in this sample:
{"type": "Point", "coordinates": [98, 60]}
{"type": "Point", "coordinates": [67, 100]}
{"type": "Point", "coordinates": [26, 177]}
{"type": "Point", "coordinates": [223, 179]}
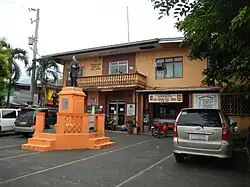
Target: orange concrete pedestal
{"type": "Point", "coordinates": [72, 128]}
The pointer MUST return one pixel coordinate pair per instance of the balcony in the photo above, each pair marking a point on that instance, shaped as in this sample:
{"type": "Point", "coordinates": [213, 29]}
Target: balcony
{"type": "Point", "coordinates": [133, 80]}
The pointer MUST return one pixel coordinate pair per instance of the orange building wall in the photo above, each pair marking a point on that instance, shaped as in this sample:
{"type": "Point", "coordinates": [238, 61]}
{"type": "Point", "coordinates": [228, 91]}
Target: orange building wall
{"type": "Point", "coordinates": [192, 70]}
{"type": "Point", "coordinates": [88, 68]}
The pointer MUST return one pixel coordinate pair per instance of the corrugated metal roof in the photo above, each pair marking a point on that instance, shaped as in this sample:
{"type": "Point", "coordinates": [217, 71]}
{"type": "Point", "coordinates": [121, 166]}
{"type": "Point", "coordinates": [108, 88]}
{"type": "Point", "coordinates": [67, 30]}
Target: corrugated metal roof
{"type": "Point", "coordinates": [116, 46]}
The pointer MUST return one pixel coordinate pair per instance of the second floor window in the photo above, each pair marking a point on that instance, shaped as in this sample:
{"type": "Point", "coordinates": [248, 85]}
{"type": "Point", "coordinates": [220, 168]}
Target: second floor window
{"type": "Point", "coordinates": [172, 68]}
{"type": "Point", "coordinates": [119, 67]}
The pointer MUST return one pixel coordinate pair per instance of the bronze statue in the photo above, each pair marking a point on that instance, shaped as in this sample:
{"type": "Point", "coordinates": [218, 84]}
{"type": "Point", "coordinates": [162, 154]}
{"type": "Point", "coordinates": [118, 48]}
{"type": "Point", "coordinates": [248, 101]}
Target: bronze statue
{"type": "Point", "coordinates": [74, 69]}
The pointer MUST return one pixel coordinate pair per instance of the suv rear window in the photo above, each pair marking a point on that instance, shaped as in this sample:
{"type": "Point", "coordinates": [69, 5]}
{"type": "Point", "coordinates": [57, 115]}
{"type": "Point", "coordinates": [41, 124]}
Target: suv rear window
{"type": "Point", "coordinates": [203, 117]}
{"type": "Point", "coordinates": [26, 113]}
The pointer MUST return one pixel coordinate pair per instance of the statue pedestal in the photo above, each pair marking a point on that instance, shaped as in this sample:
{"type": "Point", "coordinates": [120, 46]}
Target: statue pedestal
{"type": "Point", "coordinates": [72, 128]}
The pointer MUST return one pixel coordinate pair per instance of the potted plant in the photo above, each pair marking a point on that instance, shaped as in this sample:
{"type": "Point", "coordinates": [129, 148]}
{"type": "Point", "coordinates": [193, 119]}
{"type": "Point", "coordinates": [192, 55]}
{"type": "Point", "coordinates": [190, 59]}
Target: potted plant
{"type": "Point", "coordinates": [132, 126]}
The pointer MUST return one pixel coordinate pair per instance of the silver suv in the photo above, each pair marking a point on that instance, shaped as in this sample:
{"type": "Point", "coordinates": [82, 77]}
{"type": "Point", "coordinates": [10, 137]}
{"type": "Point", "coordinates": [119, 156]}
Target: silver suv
{"type": "Point", "coordinates": [206, 132]}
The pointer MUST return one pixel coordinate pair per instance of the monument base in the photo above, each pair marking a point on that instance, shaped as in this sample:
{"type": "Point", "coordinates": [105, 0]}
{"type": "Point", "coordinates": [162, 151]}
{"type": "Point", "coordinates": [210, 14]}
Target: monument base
{"type": "Point", "coordinates": [72, 128]}
{"type": "Point", "coordinates": [44, 142]}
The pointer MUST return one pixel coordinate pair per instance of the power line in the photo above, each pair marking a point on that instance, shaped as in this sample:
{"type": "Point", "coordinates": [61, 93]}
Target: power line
{"type": "Point", "coordinates": [15, 3]}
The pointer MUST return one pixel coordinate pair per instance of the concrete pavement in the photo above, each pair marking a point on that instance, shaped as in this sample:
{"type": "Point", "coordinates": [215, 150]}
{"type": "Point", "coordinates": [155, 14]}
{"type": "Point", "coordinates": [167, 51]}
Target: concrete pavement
{"type": "Point", "coordinates": [134, 161]}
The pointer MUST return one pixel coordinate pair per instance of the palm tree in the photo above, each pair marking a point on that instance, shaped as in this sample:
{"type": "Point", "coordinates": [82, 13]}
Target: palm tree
{"type": "Point", "coordinates": [4, 70]}
{"type": "Point", "coordinates": [46, 69]}
{"type": "Point", "coordinates": [16, 54]}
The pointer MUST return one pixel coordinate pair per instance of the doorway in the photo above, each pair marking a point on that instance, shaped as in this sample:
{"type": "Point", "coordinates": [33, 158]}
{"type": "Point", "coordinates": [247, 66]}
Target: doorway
{"type": "Point", "coordinates": [116, 110]}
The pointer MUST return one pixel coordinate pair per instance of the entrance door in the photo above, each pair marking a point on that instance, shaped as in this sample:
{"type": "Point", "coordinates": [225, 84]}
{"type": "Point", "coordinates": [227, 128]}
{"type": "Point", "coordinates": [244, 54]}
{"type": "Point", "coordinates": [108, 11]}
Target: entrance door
{"type": "Point", "coordinates": [116, 110]}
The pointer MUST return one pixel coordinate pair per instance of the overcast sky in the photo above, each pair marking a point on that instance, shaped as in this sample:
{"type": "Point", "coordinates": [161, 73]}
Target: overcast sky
{"type": "Point", "coordinates": [77, 24]}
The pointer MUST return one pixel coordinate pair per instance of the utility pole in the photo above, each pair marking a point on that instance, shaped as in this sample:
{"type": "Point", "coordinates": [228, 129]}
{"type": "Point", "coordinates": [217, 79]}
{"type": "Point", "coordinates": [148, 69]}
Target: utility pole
{"type": "Point", "coordinates": [35, 40]}
{"type": "Point", "coordinates": [128, 23]}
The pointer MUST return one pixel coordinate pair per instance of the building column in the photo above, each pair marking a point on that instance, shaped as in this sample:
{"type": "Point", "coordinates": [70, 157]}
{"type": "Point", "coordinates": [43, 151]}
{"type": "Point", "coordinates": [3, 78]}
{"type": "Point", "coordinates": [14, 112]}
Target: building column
{"type": "Point", "coordinates": [65, 74]}
{"type": "Point", "coordinates": [139, 111]}
{"type": "Point", "coordinates": [190, 100]}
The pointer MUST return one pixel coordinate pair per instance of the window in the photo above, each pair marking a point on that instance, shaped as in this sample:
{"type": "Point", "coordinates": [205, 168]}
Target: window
{"type": "Point", "coordinates": [118, 67]}
{"type": "Point", "coordinates": [6, 114]}
{"type": "Point", "coordinates": [172, 68]}
{"type": "Point", "coordinates": [204, 117]}
{"type": "Point", "coordinates": [235, 104]}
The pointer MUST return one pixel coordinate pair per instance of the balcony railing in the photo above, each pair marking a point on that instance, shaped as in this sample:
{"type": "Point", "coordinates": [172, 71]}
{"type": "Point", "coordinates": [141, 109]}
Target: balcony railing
{"type": "Point", "coordinates": [113, 81]}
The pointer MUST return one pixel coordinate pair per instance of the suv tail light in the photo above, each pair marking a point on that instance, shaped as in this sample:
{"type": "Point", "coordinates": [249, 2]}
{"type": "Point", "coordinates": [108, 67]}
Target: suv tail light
{"type": "Point", "coordinates": [224, 132]}
{"type": "Point", "coordinates": [175, 133]}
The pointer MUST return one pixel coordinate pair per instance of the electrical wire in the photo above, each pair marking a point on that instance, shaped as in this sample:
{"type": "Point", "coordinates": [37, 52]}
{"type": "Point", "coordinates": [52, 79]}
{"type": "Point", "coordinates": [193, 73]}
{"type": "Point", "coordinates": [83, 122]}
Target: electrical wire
{"type": "Point", "coordinates": [15, 3]}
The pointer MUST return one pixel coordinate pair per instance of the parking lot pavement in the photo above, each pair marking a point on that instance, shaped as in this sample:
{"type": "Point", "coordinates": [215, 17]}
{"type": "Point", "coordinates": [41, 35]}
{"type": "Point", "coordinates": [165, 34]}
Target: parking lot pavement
{"type": "Point", "coordinates": [134, 161]}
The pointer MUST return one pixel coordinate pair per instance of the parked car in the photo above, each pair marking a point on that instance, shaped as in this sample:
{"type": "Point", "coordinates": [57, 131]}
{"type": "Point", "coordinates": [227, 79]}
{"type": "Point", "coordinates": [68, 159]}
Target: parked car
{"type": "Point", "coordinates": [25, 122]}
{"type": "Point", "coordinates": [206, 132]}
{"type": "Point", "coordinates": [7, 118]}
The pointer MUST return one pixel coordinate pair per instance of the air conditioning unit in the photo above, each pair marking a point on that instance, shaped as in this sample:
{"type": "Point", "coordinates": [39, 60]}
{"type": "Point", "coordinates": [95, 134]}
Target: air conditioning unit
{"type": "Point", "coordinates": [159, 66]}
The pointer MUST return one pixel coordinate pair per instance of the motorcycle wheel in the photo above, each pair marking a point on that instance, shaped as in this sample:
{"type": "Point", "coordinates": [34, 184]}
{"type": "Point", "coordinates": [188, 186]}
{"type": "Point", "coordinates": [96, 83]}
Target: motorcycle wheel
{"type": "Point", "coordinates": [155, 133]}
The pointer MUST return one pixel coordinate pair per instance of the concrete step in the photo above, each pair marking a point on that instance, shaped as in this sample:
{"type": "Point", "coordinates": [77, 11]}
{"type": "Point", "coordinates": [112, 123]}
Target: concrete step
{"type": "Point", "coordinates": [42, 141]}
{"type": "Point", "coordinates": [95, 135]}
{"type": "Point", "coordinates": [100, 140]}
{"type": "Point", "coordinates": [104, 145]}
{"type": "Point", "coordinates": [45, 136]}
{"type": "Point", "coordinates": [33, 147]}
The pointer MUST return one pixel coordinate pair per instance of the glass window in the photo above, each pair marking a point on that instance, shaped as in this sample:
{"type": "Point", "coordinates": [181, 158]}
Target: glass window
{"type": "Point", "coordinates": [169, 70]}
{"type": "Point", "coordinates": [118, 67]}
{"type": "Point", "coordinates": [6, 114]}
{"type": "Point", "coordinates": [204, 117]}
{"type": "Point", "coordinates": [178, 69]}
{"type": "Point", "coordinates": [172, 68]}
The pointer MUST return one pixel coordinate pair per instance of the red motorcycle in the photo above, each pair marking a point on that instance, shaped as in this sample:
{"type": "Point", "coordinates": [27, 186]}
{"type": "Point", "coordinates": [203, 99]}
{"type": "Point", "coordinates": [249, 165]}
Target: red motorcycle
{"type": "Point", "coordinates": [159, 130]}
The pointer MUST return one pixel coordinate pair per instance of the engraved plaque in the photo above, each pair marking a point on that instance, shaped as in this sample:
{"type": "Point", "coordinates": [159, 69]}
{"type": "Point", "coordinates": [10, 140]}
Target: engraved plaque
{"type": "Point", "coordinates": [65, 103]}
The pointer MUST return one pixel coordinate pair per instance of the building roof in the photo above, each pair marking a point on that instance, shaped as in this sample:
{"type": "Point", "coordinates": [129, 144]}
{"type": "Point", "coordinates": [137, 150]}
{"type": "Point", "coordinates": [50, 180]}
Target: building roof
{"type": "Point", "coordinates": [116, 49]}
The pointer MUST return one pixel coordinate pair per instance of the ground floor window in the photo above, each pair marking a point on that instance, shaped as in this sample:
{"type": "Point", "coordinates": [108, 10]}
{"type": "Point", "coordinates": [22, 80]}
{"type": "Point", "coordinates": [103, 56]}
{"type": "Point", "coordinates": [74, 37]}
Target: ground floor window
{"type": "Point", "coordinates": [235, 104]}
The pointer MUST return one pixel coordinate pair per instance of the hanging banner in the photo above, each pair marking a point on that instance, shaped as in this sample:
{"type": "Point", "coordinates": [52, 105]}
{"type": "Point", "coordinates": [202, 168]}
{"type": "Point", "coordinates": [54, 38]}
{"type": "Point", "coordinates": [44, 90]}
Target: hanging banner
{"type": "Point", "coordinates": [165, 98]}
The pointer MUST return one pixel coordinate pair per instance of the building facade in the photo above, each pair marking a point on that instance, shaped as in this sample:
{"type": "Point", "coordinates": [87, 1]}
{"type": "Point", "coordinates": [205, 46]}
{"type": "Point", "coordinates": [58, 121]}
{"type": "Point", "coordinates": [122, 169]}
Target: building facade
{"type": "Point", "coordinates": [148, 80]}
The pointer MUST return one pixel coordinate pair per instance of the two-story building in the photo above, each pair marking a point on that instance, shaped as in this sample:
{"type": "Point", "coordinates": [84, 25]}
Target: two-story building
{"type": "Point", "coordinates": [150, 80]}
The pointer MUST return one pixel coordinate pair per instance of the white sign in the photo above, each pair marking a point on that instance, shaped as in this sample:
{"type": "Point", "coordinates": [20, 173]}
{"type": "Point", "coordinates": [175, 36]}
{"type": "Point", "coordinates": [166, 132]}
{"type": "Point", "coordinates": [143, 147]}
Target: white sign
{"type": "Point", "coordinates": [165, 98]}
{"type": "Point", "coordinates": [130, 109]}
{"type": "Point", "coordinates": [206, 100]}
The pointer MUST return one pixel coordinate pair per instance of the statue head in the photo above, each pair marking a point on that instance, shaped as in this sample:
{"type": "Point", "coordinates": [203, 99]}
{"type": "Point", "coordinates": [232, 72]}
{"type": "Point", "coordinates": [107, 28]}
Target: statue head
{"type": "Point", "coordinates": [74, 58]}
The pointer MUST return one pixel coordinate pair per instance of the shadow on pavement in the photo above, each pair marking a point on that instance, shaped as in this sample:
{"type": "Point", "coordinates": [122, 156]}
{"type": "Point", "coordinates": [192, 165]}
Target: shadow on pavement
{"type": "Point", "coordinates": [238, 163]}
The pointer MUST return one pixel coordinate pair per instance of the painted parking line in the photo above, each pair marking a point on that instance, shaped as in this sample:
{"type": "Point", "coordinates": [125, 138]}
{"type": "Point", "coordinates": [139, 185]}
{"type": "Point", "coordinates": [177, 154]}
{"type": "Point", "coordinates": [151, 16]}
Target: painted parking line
{"type": "Point", "coordinates": [143, 171]}
{"type": "Point", "coordinates": [17, 156]}
{"type": "Point", "coordinates": [74, 162]}
{"type": "Point", "coordinates": [9, 146]}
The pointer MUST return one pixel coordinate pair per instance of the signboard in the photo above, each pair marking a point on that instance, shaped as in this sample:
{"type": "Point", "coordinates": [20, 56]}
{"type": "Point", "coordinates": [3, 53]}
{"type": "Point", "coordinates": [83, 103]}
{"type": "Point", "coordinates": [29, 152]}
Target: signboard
{"type": "Point", "coordinates": [165, 98]}
{"type": "Point", "coordinates": [207, 100]}
{"type": "Point", "coordinates": [95, 66]}
{"type": "Point", "coordinates": [130, 109]}
{"type": "Point", "coordinates": [65, 103]}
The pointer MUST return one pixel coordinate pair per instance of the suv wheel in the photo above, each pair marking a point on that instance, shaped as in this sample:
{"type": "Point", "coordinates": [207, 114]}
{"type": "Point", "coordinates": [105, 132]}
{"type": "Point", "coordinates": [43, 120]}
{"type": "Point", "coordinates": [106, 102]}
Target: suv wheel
{"type": "Point", "coordinates": [179, 158]}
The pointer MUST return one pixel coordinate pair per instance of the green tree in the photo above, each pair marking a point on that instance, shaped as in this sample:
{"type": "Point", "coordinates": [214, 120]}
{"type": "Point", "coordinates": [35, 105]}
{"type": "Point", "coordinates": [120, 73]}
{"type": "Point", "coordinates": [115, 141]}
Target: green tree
{"type": "Point", "coordinates": [46, 69]}
{"type": "Point", "coordinates": [217, 30]}
{"type": "Point", "coordinates": [4, 70]}
{"type": "Point", "coordinates": [16, 56]}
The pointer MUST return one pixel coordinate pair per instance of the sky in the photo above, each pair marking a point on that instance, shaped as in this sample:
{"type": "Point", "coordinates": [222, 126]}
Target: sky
{"type": "Point", "coordinates": [78, 24]}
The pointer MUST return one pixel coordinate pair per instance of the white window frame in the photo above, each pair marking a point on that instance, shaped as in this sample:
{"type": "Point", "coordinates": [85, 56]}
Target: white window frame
{"type": "Point", "coordinates": [110, 64]}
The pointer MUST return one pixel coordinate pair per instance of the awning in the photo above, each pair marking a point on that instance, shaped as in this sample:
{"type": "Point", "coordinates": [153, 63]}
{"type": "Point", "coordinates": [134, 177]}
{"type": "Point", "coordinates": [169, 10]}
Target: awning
{"type": "Point", "coordinates": [213, 89]}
